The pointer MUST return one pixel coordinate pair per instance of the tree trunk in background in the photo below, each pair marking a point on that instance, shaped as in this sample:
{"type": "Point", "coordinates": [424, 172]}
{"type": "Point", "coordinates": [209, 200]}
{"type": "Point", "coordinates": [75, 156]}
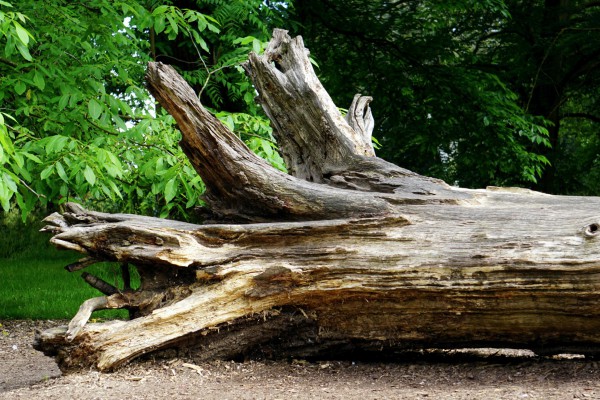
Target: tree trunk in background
{"type": "Point", "coordinates": [556, 71]}
{"type": "Point", "coordinates": [349, 253]}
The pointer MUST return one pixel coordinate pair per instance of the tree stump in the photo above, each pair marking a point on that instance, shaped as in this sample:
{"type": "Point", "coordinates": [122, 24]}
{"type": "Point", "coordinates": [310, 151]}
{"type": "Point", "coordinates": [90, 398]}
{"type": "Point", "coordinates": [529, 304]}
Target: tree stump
{"type": "Point", "coordinates": [347, 252]}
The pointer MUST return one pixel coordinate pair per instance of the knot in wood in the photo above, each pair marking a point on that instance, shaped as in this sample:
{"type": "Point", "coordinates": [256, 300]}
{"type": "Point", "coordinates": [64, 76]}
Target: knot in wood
{"type": "Point", "coordinates": [592, 230]}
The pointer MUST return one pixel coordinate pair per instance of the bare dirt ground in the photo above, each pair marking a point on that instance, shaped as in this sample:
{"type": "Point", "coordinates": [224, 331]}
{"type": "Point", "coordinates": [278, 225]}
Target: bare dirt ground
{"type": "Point", "coordinates": [498, 374]}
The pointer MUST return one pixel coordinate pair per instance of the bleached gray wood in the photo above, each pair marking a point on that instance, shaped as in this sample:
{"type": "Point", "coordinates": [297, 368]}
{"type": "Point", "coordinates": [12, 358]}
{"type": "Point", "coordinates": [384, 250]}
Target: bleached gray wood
{"type": "Point", "coordinates": [356, 249]}
{"type": "Point", "coordinates": [360, 119]}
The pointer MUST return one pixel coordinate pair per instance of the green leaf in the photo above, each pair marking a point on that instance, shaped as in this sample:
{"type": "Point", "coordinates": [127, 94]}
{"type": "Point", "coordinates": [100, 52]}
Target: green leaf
{"type": "Point", "coordinates": [94, 108]}
{"type": "Point", "coordinates": [114, 159]}
{"type": "Point", "coordinates": [89, 175]}
{"type": "Point", "coordinates": [21, 33]}
{"type": "Point", "coordinates": [203, 44]}
{"type": "Point", "coordinates": [266, 146]}
{"type": "Point", "coordinates": [64, 100]}
{"type": "Point", "coordinates": [4, 197]}
{"type": "Point", "coordinates": [38, 80]}
{"type": "Point", "coordinates": [160, 10]}
{"type": "Point", "coordinates": [32, 157]}
{"type": "Point", "coordinates": [20, 88]}
{"type": "Point", "coordinates": [119, 122]}
{"type": "Point", "coordinates": [61, 171]}
{"type": "Point", "coordinates": [10, 183]}
{"type": "Point", "coordinates": [54, 144]}
{"type": "Point", "coordinates": [244, 40]}
{"type": "Point", "coordinates": [170, 190]}
{"type": "Point", "coordinates": [9, 47]}
{"type": "Point", "coordinates": [213, 28]}
{"type": "Point", "coordinates": [228, 122]}
{"type": "Point", "coordinates": [159, 24]}
{"type": "Point", "coordinates": [160, 165]}
{"type": "Point", "coordinates": [5, 142]}
{"type": "Point", "coordinates": [113, 170]}
{"type": "Point", "coordinates": [24, 51]}
{"type": "Point", "coordinates": [155, 188]}
{"type": "Point", "coordinates": [47, 172]}
{"type": "Point", "coordinates": [173, 24]}
{"type": "Point", "coordinates": [256, 46]}
{"type": "Point", "coordinates": [115, 189]}
{"type": "Point", "coordinates": [19, 160]}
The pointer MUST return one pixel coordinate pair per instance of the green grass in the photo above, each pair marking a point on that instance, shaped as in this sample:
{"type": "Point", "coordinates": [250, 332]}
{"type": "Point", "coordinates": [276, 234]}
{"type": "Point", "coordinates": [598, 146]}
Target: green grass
{"type": "Point", "coordinates": [36, 286]}
{"type": "Point", "coordinates": [34, 283]}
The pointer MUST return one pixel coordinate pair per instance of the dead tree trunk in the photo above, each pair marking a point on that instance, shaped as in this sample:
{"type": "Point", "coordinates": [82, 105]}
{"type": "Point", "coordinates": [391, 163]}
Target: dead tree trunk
{"type": "Point", "coordinates": [348, 251]}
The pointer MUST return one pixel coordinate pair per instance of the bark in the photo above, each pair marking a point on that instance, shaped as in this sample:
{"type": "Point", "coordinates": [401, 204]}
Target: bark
{"type": "Point", "coordinates": [347, 252]}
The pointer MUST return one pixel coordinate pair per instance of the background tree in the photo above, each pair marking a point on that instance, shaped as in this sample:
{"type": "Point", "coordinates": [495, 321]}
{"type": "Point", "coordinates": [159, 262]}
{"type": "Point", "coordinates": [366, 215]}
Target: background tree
{"type": "Point", "coordinates": [473, 92]}
{"type": "Point", "coordinates": [244, 26]}
{"type": "Point", "coordinates": [549, 52]}
{"type": "Point", "coordinates": [77, 122]}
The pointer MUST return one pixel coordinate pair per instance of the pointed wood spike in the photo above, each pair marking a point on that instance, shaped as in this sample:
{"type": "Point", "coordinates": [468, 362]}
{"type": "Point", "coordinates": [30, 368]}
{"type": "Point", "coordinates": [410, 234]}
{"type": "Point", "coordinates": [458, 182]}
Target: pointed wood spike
{"type": "Point", "coordinates": [81, 264]}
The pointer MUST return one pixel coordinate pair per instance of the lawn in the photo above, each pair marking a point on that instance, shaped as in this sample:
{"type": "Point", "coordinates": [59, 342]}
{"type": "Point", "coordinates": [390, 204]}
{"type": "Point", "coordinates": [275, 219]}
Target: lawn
{"type": "Point", "coordinates": [34, 283]}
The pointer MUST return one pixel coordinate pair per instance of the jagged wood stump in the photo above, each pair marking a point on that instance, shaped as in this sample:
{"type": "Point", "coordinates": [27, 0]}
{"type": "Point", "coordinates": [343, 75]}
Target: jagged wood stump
{"type": "Point", "coordinates": [346, 252]}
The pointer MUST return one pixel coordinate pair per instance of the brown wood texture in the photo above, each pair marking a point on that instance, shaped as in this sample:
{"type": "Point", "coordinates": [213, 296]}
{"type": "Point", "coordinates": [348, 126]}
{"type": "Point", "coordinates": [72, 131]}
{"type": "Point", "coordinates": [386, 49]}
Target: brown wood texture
{"type": "Point", "coordinates": [347, 250]}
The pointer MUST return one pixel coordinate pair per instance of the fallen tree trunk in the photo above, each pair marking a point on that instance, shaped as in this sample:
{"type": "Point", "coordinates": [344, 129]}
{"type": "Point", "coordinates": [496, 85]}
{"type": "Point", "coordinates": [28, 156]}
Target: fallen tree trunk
{"type": "Point", "coordinates": [347, 252]}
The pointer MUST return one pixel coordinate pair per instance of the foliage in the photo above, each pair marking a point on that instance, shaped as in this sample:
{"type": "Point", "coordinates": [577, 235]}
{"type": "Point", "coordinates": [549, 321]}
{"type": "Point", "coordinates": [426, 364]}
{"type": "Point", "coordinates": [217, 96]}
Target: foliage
{"type": "Point", "coordinates": [459, 87]}
{"type": "Point", "coordinates": [76, 122]}
{"type": "Point", "coordinates": [470, 91]}
{"type": "Point", "coordinates": [549, 52]}
{"type": "Point", "coordinates": [256, 132]}
{"type": "Point", "coordinates": [217, 75]}
{"type": "Point", "coordinates": [23, 238]}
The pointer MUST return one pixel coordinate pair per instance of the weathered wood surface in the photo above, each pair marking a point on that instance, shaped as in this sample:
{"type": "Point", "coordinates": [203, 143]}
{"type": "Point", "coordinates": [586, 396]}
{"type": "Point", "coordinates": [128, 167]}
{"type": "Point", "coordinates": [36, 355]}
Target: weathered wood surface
{"type": "Point", "coordinates": [350, 251]}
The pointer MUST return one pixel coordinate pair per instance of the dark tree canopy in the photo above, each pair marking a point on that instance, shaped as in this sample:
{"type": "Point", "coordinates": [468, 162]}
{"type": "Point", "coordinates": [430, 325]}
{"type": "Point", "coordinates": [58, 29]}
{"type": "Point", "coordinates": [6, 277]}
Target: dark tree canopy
{"type": "Point", "coordinates": [471, 91]}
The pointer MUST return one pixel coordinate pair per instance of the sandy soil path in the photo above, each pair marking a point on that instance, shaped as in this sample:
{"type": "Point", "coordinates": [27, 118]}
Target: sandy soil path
{"type": "Point", "coordinates": [27, 374]}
